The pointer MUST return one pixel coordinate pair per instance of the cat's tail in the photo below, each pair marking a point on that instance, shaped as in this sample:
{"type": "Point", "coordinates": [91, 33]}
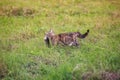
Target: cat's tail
{"type": "Point", "coordinates": [47, 41]}
{"type": "Point", "coordinates": [83, 35]}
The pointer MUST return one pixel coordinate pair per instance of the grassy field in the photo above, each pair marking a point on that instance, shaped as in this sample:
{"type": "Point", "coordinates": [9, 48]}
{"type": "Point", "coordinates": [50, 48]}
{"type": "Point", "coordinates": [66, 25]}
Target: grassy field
{"type": "Point", "coordinates": [24, 55]}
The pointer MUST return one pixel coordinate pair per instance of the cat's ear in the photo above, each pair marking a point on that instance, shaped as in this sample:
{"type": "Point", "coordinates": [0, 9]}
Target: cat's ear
{"type": "Point", "coordinates": [51, 30]}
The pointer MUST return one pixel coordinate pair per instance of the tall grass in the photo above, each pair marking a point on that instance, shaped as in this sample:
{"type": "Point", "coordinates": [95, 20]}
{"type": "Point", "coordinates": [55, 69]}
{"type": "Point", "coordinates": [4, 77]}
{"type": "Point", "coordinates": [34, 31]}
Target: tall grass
{"type": "Point", "coordinates": [25, 55]}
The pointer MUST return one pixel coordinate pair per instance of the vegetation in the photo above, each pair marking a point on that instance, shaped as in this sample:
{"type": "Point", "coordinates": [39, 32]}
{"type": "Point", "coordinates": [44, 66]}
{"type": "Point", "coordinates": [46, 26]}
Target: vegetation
{"type": "Point", "coordinates": [24, 55]}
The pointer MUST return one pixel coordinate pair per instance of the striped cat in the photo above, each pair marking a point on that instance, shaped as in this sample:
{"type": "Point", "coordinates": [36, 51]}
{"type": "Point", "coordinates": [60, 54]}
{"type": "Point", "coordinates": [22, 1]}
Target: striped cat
{"type": "Point", "coordinates": [70, 39]}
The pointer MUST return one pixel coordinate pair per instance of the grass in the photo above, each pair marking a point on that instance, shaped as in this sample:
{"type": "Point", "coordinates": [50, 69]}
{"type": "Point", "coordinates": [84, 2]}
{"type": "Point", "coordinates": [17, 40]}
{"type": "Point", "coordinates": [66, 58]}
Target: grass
{"type": "Point", "coordinates": [24, 56]}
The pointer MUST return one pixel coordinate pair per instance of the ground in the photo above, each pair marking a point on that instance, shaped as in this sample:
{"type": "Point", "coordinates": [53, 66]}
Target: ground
{"type": "Point", "coordinates": [24, 55]}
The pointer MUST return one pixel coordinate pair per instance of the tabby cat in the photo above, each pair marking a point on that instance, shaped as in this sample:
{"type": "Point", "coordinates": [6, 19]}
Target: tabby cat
{"type": "Point", "coordinates": [70, 39]}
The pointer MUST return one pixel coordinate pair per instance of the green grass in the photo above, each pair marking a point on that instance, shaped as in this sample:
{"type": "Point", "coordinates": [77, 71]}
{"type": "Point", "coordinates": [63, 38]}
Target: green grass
{"type": "Point", "coordinates": [24, 53]}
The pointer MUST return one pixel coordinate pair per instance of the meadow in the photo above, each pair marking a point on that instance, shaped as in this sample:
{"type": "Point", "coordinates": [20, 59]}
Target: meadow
{"type": "Point", "coordinates": [24, 55]}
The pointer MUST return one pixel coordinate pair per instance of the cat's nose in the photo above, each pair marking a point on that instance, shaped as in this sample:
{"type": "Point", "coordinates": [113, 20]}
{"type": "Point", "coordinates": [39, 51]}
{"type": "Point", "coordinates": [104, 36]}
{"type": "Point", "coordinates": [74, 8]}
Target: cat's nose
{"type": "Point", "coordinates": [45, 38]}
